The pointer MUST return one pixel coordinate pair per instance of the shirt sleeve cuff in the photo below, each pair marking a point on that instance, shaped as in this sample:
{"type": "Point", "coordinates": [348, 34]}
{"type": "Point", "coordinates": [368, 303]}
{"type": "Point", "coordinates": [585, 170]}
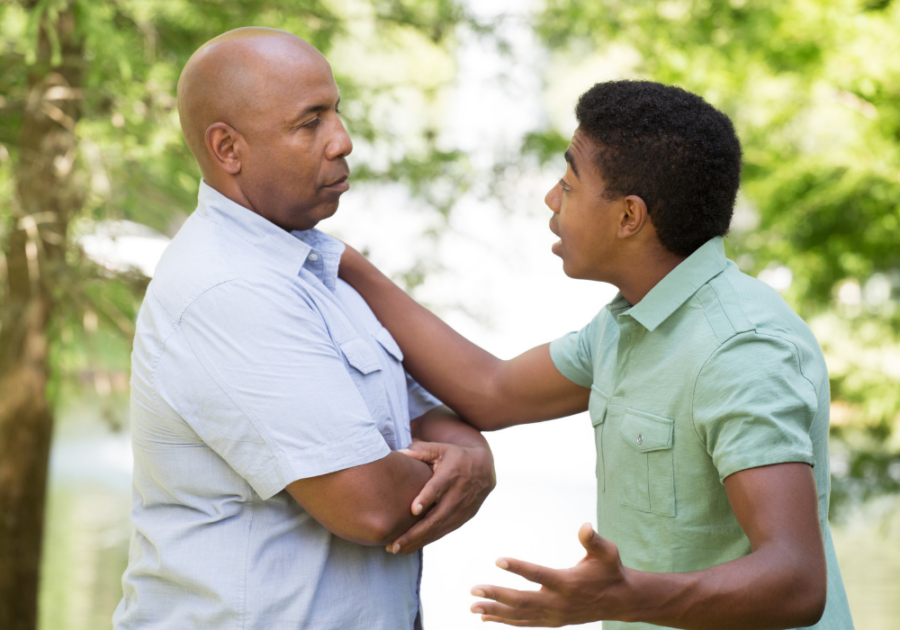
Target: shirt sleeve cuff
{"type": "Point", "coordinates": [559, 351]}
{"type": "Point", "coordinates": [770, 458]}
{"type": "Point", "coordinates": [318, 460]}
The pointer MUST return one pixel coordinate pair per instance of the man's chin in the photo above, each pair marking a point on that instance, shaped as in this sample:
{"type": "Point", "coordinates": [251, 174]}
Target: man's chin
{"type": "Point", "coordinates": [325, 211]}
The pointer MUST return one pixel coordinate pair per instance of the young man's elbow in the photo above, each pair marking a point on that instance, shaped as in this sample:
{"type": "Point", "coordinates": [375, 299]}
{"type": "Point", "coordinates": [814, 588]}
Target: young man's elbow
{"type": "Point", "coordinates": [809, 602]}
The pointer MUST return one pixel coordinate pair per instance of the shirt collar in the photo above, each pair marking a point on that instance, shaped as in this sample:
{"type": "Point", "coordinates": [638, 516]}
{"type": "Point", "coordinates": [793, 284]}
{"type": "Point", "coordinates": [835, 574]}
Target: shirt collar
{"type": "Point", "coordinates": [677, 287]}
{"type": "Point", "coordinates": [274, 244]}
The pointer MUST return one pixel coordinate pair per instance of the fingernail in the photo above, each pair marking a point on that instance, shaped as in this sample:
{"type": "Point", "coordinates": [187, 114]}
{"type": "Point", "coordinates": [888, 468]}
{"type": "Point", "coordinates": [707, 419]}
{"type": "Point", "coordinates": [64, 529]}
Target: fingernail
{"type": "Point", "coordinates": [478, 611]}
{"type": "Point", "coordinates": [417, 509]}
{"type": "Point", "coordinates": [477, 592]}
{"type": "Point", "coordinates": [395, 548]}
{"type": "Point", "coordinates": [503, 564]}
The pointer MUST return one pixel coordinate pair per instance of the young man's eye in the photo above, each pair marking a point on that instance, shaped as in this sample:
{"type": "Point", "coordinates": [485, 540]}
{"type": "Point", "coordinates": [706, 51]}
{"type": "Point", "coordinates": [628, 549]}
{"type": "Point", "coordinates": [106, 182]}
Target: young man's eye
{"type": "Point", "coordinates": [312, 123]}
{"type": "Point", "coordinates": [564, 185]}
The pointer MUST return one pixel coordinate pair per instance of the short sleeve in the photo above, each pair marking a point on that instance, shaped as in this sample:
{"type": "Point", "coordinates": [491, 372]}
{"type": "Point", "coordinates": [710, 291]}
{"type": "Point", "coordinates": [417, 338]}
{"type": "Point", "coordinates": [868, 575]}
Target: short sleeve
{"type": "Point", "coordinates": [753, 406]}
{"type": "Point", "coordinates": [572, 354]}
{"type": "Point", "coordinates": [421, 401]}
{"type": "Point", "coordinates": [264, 386]}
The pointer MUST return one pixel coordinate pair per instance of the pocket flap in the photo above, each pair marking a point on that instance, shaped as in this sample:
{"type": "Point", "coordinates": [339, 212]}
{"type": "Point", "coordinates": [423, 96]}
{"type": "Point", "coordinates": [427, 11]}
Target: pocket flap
{"type": "Point", "coordinates": [646, 432]}
{"type": "Point", "coordinates": [387, 342]}
{"type": "Point", "coordinates": [360, 355]}
{"type": "Point", "coordinates": [597, 406]}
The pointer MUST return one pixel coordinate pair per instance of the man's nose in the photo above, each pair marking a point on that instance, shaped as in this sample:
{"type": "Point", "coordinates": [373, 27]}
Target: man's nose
{"type": "Point", "coordinates": [552, 197]}
{"type": "Point", "coordinates": [340, 145]}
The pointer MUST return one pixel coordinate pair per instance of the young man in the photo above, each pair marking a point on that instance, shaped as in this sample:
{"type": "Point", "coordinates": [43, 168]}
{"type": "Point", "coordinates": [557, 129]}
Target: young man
{"type": "Point", "coordinates": [709, 397]}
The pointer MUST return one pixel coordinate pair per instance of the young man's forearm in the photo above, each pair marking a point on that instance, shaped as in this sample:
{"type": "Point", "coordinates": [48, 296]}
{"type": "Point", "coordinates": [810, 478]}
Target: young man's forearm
{"type": "Point", "coordinates": [459, 372]}
{"type": "Point", "coordinates": [488, 392]}
{"type": "Point", "coordinates": [767, 590]}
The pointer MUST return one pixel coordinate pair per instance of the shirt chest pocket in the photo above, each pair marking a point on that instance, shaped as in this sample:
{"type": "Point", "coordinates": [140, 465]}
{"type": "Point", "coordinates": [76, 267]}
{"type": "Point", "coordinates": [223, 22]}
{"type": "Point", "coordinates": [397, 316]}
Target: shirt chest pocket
{"type": "Point", "coordinates": [646, 471]}
{"type": "Point", "coordinates": [366, 372]}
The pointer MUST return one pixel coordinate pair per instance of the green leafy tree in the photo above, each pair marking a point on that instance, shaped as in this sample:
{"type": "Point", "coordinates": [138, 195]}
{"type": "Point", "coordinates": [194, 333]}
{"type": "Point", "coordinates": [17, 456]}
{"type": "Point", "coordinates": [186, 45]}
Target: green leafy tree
{"type": "Point", "coordinates": [89, 130]}
{"type": "Point", "coordinates": [813, 87]}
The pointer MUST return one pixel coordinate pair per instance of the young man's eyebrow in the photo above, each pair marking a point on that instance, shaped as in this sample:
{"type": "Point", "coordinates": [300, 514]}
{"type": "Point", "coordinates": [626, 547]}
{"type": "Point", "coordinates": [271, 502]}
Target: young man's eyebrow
{"type": "Point", "coordinates": [571, 162]}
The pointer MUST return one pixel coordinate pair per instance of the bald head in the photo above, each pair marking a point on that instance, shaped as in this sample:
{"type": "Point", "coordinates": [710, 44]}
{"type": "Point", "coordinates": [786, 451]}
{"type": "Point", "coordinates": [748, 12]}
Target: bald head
{"type": "Point", "coordinates": [259, 111]}
{"type": "Point", "coordinates": [229, 79]}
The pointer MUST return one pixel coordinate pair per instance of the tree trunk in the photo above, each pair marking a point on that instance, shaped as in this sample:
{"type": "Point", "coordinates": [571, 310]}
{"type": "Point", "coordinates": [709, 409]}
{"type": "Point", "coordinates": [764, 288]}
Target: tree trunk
{"type": "Point", "coordinates": [35, 255]}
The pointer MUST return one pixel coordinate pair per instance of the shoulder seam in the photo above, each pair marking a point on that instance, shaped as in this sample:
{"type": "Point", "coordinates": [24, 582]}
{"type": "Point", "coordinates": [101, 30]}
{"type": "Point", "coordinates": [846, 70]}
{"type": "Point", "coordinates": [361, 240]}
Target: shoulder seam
{"type": "Point", "coordinates": [795, 354]}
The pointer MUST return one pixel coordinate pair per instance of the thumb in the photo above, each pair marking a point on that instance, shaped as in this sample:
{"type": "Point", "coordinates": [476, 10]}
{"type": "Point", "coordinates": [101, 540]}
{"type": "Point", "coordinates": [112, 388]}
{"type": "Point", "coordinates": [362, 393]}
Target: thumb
{"type": "Point", "coordinates": [428, 452]}
{"type": "Point", "coordinates": [594, 544]}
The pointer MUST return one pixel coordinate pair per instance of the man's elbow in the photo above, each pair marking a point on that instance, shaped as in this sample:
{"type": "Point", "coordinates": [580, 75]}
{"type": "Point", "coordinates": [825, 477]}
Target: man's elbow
{"type": "Point", "coordinates": [379, 529]}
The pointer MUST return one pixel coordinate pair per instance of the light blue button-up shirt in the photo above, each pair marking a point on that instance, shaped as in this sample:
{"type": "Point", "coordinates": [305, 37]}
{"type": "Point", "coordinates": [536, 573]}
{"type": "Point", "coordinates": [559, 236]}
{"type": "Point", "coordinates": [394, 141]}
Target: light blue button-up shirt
{"type": "Point", "coordinates": [255, 366]}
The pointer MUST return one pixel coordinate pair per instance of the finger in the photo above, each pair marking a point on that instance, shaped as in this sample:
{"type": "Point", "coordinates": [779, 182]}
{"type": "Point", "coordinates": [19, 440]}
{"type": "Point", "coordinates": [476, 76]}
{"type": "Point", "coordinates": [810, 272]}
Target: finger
{"type": "Point", "coordinates": [428, 452]}
{"type": "Point", "coordinates": [520, 600]}
{"type": "Point", "coordinates": [596, 545]}
{"type": "Point", "coordinates": [531, 572]}
{"type": "Point", "coordinates": [440, 521]}
{"type": "Point", "coordinates": [505, 613]}
{"type": "Point", "coordinates": [519, 624]}
{"type": "Point", "coordinates": [502, 611]}
{"type": "Point", "coordinates": [431, 493]}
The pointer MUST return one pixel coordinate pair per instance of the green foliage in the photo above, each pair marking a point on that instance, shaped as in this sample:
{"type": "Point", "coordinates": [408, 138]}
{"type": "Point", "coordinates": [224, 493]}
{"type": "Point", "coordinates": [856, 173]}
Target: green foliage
{"type": "Point", "coordinates": [132, 162]}
{"type": "Point", "coordinates": [813, 87]}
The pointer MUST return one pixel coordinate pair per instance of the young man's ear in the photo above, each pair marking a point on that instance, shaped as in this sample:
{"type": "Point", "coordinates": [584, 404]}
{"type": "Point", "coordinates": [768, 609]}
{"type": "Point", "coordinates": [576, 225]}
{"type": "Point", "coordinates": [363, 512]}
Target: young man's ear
{"type": "Point", "coordinates": [633, 216]}
{"type": "Point", "coordinates": [223, 142]}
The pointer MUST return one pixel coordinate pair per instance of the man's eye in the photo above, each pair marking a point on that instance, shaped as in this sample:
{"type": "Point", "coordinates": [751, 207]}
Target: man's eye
{"type": "Point", "coordinates": [564, 185]}
{"type": "Point", "coordinates": [312, 123]}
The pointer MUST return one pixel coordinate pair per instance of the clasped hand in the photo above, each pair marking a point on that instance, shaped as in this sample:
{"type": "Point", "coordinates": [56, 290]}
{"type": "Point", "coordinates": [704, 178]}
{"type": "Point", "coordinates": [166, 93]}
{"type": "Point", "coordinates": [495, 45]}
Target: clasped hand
{"type": "Point", "coordinates": [463, 477]}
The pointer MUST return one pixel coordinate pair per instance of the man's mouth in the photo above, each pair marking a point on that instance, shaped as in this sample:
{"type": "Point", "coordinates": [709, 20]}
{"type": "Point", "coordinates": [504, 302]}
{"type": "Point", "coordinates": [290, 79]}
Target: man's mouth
{"type": "Point", "coordinates": [341, 184]}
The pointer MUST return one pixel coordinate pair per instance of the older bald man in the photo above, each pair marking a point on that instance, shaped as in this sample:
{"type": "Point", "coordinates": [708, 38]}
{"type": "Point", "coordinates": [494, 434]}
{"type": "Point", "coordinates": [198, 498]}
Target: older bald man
{"type": "Point", "coordinates": [268, 402]}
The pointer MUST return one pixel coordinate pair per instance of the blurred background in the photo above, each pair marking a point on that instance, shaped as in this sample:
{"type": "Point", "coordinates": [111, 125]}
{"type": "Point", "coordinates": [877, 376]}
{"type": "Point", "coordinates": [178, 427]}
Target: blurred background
{"type": "Point", "coordinates": [460, 111]}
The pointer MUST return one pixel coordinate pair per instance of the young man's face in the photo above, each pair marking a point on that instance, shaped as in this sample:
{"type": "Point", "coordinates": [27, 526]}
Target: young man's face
{"type": "Point", "coordinates": [583, 218]}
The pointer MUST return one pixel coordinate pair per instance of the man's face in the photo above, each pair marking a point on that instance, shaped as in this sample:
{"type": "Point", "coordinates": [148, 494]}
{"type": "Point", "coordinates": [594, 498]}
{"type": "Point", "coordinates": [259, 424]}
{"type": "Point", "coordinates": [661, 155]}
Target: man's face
{"type": "Point", "coordinates": [295, 170]}
{"type": "Point", "coordinates": [583, 218]}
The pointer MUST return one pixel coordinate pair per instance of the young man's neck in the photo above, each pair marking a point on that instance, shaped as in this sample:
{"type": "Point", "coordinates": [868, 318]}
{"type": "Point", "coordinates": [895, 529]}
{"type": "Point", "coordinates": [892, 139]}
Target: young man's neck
{"type": "Point", "coordinates": [640, 277]}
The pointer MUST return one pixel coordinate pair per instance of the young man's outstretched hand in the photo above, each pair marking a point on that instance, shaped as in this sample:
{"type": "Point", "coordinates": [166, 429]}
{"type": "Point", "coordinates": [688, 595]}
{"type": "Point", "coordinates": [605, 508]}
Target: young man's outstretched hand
{"type": "Point", "coordinates": [781, 584]}
{"type": "Point", "coordinates": [592, 590]}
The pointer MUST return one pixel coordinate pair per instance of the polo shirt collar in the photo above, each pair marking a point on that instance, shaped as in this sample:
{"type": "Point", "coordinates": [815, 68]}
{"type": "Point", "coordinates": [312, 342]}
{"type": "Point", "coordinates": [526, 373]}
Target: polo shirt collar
{"type": "Point", "coordinates": [678, 286]}
{"type": "Point", "coordinates": [276, 246]}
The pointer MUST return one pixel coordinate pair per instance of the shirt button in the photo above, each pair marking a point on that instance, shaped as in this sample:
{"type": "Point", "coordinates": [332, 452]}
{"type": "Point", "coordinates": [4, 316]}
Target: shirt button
{"type": "Point", "coordinates": [640, 439]}
{"type": "Point", "coordinates": [314, 256]}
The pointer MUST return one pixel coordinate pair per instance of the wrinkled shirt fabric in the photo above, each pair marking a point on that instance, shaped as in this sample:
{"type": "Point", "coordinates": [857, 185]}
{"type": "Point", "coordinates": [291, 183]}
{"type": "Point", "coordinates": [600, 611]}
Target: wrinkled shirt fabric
{"type": "Point", "coordinates": [710, 374]}
{"type": "Point", "coordinates": [254, 366]}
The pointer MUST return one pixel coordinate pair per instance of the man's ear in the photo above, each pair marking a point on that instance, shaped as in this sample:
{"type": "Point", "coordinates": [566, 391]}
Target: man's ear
{"type": "Point", "coordinates": [222, 142]}
{"type": "Point", "coordinates": [632, 217]}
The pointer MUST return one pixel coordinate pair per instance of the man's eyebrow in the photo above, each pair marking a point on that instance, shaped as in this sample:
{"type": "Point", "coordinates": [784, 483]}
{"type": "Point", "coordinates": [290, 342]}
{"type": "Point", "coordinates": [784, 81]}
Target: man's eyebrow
{"type": "Point", "coordinates": [571, 162]}
{"type": "Point", "coordinates": [320, 107]}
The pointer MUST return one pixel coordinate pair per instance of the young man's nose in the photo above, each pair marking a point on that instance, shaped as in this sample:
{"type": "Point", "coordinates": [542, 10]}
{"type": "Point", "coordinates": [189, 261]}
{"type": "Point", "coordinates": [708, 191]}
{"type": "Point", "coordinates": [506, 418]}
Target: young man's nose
{"type": "Point", "coordinates": [552, 198]}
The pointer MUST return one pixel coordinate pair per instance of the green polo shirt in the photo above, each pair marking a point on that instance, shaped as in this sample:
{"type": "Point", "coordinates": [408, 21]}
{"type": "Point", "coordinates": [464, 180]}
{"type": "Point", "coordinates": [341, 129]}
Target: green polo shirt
{"type": "Point", "coordinates": [711, 373]}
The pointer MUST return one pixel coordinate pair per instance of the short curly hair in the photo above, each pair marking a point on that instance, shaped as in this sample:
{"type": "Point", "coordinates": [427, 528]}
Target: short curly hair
{"type": "Point", "coordinates": [670, 148]}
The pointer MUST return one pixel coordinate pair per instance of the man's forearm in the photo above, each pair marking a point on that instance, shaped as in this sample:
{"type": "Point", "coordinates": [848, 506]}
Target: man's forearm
{"type": "Point", "coordinates": [366, 504]}
{"type": "Point", "coordinates": [443, 425]}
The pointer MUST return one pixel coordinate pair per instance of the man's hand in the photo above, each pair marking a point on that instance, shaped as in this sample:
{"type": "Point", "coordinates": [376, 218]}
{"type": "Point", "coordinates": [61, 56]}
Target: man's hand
{"type": "Point", "coordinates": [592, 590]}
{"type": "Point", "coordinates": [463, 477]}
